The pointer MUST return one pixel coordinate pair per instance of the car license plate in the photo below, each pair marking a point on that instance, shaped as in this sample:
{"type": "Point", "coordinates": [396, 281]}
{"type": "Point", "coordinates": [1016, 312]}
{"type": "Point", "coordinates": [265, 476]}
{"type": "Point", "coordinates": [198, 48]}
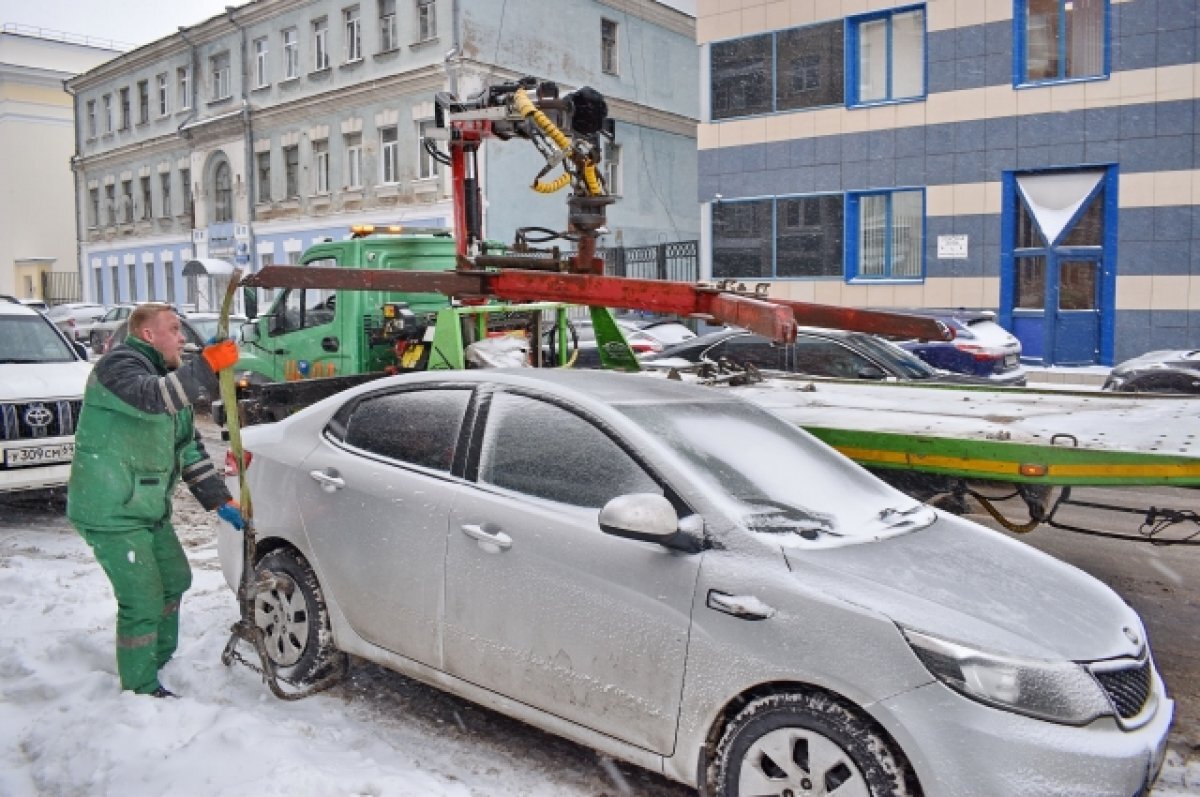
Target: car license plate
{"type": "Point", "coordinates": [38, 455]}
{"type": "Point", "coordinates": [1010, 361]}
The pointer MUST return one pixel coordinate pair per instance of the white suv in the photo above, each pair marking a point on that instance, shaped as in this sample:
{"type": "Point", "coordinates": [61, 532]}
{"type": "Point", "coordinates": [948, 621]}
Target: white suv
{"type": "Point", "coordinates": [42, 376]}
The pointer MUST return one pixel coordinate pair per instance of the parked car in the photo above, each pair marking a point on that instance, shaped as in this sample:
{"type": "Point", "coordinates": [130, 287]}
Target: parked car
{"type": "Point", "coordinates": [42, 376]}
{"type": "Point", "coordinates": [100, 331]}
{"type": "Point", "coordinates": [205, 324]}
{"type": "Point", "coordinates": [644, 336]}
{"type": "Point", "coordinates": [815, 352]}
{"type": "Point", "coordinates": [981, 347]}
{"type": "Point", "coordinates": [684, 580]}
{"type": "Point", "coordinates": [75, 318]}
{"type": "Point", "coordinates": [1158, 372]}
{"type": "Point", "coordinates": [36, 304]}
{"type": "Point", "coordinates": [195, 340]}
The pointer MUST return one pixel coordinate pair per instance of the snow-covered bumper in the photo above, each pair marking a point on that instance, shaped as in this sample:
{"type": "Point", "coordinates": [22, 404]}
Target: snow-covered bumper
{"type": "Point", "coordinates": [1000, 752]}
{"type": "Point", "coordinates": [39, 477]}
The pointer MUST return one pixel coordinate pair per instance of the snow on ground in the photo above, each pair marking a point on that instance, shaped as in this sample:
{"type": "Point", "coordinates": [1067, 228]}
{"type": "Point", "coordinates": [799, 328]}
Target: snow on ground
{"type": "Point", "coordinates": [66, 729]}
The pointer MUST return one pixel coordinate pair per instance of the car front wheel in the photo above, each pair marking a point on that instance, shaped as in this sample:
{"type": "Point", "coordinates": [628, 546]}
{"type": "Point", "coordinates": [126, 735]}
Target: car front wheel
{"type": "Point", "coordinates": [289, 607]}
{"type": "Point", "coordinates": [807, 744]}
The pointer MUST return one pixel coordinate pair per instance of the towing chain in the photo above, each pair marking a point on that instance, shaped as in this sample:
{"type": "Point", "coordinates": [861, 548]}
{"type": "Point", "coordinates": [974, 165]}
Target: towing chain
{"type": "Point", "coordinates": [270, 676]}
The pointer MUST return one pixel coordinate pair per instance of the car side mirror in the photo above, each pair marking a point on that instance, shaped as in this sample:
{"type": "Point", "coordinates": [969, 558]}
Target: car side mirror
{"type": "Point", "coordinates": [249, 332]}
{"type": "Point", "coordinates": [640, 516]}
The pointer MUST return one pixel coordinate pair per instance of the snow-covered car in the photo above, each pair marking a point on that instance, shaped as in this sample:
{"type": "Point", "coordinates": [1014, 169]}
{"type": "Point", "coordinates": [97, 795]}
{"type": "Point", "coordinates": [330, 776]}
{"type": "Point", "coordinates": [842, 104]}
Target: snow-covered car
{"type": "Point", "coordinates": [981, 347]}
{"type": "Point", "coordinates": [42, 376]}
{"type": "Point", "coordinates": [1173, 371]}
{"type": "Point", "coordinates": [74, 318]}
{"type": "Point", "coordinates": [686, 581]}
{"type": "Point", "coordinates": [205, 324]}
{"type": "Point", "coordinates": [100, 330]}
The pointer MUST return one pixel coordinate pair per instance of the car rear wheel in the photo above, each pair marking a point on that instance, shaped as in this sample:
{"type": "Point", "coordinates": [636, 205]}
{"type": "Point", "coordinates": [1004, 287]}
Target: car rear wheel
{"type": "Point", "coordinates": [289, 607]}
{"type": "Point", "coordinates": [807, 744]}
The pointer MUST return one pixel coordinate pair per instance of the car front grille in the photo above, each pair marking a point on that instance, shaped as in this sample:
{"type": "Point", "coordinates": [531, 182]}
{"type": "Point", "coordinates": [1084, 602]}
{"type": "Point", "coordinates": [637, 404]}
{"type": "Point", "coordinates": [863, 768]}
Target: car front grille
{"type": "Point", "coordinates": [1128, 689]}
{"type": "Point", "coordinates": [33, 420]}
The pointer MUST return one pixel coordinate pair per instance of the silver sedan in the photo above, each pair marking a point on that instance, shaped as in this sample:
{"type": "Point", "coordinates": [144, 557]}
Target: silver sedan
{"type": "Point", "coordinates": [683, 580]}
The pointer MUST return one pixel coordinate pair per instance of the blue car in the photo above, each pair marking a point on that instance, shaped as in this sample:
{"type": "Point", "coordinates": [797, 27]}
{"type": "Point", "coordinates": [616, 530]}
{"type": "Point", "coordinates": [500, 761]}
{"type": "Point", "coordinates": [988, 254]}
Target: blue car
{"type": "Point", "coordinates": [981, 347]}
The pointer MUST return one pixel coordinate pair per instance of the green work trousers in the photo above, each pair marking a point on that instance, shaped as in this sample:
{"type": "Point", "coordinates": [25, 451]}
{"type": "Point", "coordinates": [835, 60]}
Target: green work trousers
{"type": "Point", "coordinates": [149, 574]}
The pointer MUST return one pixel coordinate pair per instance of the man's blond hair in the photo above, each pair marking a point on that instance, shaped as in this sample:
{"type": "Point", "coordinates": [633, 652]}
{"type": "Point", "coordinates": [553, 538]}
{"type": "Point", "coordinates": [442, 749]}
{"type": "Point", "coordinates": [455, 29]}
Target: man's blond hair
{"type": "Point", "coordinates": [144, 314]}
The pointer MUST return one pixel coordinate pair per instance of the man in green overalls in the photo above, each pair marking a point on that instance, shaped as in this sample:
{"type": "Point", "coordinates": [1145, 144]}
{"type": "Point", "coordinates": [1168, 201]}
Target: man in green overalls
{"type": "Point", "coordinates": [135, 439]}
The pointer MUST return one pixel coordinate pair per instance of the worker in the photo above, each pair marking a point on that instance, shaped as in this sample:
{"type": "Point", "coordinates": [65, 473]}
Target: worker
{"type": "Point", "coordinates": [135, 439]}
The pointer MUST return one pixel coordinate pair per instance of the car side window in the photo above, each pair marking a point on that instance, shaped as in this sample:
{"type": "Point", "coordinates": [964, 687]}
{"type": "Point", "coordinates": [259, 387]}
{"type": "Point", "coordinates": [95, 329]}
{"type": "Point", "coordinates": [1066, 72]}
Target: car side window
{"type": "Point", "coordinates": [303, 308]}
{"type": "Point", "coordinates": [418, 427]}
{"type": "Point", "coordinates": [753, 350]}
{"type": "Point", "coordinates": [578, 463]}
{"type": "Point", "coordinates": [821, 357]}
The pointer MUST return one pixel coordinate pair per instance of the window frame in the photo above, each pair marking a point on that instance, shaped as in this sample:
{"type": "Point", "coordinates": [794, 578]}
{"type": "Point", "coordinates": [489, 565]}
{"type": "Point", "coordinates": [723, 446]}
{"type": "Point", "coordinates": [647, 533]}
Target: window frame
{"type": "Point", "coordinates": [163, 85]}
{"type": "Point", "coordinates": [853, 61]}
{"type": "Point", "coordinates": [320, 31]}
{"type": "Point", "coordinates": [426, 20]}
{"type": "Point", "coordinates": [320, 157]}
{"type": "Point", "coordinates": [126, 108]}
{"type": "Point", "coordinates": [853, 215]}
{"type": "Point", "coordinates": [610, 47]}
{"type": "Point", "coordinates": [352, 28]}
{"type": "Point", "coordinates": [185, 182]}
{"type": "Point", "coordinates": [389, 35]}
{"type": "Point", "coordinates": [183, 83]}
{"type": "Point", "coordinates": [221, 67]}
{"type": "Point", "coordinates": [262, 177]}
{"type": "Point", "coordinates": [353, 144]}
{"type": "Point", "coordinates": [389, 155]}
{"type": "Point", "coordinates": [143, 87]}
{"type": "Point", "coordinates": [222, 192]}
{"type": "Point", "coordinates": [261, 64]}
{"type": "Point", "coordinates": [164, 186]}
{"type": "Point", "coordinates": [427, 167]}
{"type": "Point", "coordinates": [291, 53]}
{"type": "Point", "coordinates": [108, 114]}
{"type": "Point", "coordinates": [291, 172]}
{"type": "Point", "coordinates": [147, 198]}
{"type": "Point", "coordinates": [1021, 48]}
{"type": "Point", "coordinates": [91, 118]}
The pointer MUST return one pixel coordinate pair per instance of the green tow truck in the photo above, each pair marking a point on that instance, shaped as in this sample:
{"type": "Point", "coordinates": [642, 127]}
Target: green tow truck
{"type": "Point", "coordinates": [314, 342]}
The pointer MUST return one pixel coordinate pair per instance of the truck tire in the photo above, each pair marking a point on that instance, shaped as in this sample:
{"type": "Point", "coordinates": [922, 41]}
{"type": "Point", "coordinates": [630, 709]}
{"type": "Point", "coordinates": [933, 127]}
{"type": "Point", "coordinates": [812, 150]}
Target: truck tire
{"type": "Point", "coordinates": [289, 607]}
{"type": "Point", "coordinates": [807, 743]}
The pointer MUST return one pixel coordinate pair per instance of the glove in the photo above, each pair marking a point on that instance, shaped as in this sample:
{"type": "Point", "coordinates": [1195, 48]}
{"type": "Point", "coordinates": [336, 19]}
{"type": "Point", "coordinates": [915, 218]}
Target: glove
{"type": "Point", "coordinates": [220, 356]}
{"type": "Point", "coordinates": [231, 513]}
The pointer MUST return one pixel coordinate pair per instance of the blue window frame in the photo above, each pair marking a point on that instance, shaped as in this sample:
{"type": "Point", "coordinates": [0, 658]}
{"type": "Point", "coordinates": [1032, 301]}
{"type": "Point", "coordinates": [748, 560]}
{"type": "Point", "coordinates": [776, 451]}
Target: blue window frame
{"type": "Point", "coordinates": [885, 235]}
{"type": "Point", "coordinates": [886, 56]}
{"type": "Point", "coordinates": [1059, 40]}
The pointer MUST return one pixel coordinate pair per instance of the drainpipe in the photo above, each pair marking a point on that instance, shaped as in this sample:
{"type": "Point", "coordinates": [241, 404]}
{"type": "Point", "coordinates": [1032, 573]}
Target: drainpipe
{"type": "Point", "coordinates": [76, 172]}
{"type": "Point", "coordinates": [248, 136]}
{"type": "Point", "coordinates": [195, 75]}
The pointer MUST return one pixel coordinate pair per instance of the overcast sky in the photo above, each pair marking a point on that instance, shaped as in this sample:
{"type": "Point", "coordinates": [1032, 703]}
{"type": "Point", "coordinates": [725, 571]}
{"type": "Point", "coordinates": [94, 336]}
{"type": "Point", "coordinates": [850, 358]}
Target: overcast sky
{"type": "Point", "coordinates": [136, 22]}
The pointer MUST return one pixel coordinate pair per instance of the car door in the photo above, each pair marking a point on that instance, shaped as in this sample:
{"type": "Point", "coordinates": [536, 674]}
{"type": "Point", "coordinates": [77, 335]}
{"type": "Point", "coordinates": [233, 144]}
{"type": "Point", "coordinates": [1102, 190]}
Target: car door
{"type": "Point", "coordinates": [545, 608]}
{"type": "Point", "coordinates": [817, 356]}
{"type": "Point", "coordinates": [374, 497]}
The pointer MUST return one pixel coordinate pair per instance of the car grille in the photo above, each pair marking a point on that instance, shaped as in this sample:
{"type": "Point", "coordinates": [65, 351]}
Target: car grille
{"type": "Point", "coordinates": [24, 420]}
{"type": "Point", "coordinates": [1127, 688]}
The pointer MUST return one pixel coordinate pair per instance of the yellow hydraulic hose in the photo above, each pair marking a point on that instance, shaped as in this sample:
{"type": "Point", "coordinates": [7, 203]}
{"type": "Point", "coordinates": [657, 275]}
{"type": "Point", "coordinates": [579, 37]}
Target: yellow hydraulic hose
{"type": "Point", "coordinates": [526, 108]}
{"type": "Point", "coordinates": [558, 184]}
{"type": "Point", "coordinates": [589, 177]}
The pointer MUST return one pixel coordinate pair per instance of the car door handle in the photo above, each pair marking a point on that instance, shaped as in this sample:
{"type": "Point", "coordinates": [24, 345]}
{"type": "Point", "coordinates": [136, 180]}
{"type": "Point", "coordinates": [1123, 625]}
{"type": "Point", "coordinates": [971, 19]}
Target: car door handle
{"type": "Point", "coordinates": [747, 607]}
{"type": "Point", "coordinates": [328, 479]}
{"type": "Point", "coordinates": [492, 542]}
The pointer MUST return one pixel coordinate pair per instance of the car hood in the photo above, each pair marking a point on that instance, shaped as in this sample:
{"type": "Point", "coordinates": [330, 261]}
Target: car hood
{"type": "Point", "coordinates": [968, 584]}
{"type": "Point", "coordinates": [1188, 358]}
{"type": "Point", "coordinates": [24, 381]}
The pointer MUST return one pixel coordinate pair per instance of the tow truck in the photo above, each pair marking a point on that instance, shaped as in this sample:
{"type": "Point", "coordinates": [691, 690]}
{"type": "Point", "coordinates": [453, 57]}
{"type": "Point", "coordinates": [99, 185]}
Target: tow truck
{"type": "Point", "coordinates": [928, 440]}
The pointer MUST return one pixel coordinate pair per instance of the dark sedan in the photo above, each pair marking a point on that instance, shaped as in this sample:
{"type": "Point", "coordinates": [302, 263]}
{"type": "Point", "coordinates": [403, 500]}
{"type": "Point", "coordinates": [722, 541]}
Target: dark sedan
{"type": "Point", "coordinates": [815, 352]}
{"type": "Point", "coordinates": [1158, 372]}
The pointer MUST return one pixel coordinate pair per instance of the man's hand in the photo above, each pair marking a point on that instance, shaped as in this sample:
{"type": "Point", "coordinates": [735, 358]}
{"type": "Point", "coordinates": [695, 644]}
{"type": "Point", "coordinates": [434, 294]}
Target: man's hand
{"type": "Point", "coordinates": [220, 356]}
{"type": "Point", "coordinates": [231, 513]}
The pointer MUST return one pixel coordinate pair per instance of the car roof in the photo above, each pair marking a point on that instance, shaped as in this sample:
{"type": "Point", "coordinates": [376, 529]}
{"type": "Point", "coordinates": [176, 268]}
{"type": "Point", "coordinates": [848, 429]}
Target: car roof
{"type": "Point", "coordinates": [16, 308]}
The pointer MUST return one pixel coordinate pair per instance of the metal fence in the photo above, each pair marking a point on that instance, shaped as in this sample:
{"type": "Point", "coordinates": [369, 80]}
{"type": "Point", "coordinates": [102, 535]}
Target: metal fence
{"type": "Point", "coordinates": [61, 286]}
{"type": "Point", "coordinates": [678, 261]}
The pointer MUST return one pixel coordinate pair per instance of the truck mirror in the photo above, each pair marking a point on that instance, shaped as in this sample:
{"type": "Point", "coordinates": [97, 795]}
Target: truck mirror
{"type": "Point", "coordinates": [250, 332]}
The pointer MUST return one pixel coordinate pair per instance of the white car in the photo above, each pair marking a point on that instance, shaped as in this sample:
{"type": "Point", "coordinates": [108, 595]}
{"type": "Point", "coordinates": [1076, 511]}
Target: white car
{"type": "Point", "coordinates": [42, 376]}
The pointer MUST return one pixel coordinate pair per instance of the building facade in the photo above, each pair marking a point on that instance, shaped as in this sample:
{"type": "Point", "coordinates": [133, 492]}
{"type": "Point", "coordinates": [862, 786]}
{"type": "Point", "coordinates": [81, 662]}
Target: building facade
{"type": "Point", "coordinates": [283, 122]}
{"type": "Point", "coordinates": [37, 136]}
{"type": "Point", "coordinates": [1040, 158]}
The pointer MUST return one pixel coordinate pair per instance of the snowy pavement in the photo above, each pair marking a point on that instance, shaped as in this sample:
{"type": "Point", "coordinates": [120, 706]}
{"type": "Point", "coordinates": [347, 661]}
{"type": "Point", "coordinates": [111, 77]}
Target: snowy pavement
{"type": "Point", "coordinates": [67, 729]}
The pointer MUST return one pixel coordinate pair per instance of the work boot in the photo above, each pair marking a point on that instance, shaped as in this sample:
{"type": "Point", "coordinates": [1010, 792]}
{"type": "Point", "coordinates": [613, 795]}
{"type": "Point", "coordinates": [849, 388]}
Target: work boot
{"type": "Point", "coordinates": [162, 691]}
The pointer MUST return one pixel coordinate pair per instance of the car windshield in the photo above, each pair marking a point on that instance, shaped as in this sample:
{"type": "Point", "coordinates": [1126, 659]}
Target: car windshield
{"type": "Point", "coordinates": [32, 339]}
{"type": "Point", "coordinates": [778, 479]}
{"type": "Point", "coordinates": [909, 365]}
{"type": "Point", "coordinates": [206, 327]}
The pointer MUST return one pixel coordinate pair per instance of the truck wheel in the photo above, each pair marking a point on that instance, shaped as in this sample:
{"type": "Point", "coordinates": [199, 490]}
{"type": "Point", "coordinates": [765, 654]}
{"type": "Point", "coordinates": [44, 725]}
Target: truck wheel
{"type": "Point", "coordinates": [806, 744]}
{"type": "Point", "coordinates": [289, 607]}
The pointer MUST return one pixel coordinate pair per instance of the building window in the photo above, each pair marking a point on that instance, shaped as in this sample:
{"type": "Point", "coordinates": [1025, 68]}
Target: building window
{"type": "Point", "coordinates": [260, 63]}
{"type": "Point", "coordinates": [185, 182]}
{"type": "Point", "coordinates": [183, 82]}
{"type": "Point", "coordinates": [291, 172]}
{"type": "Point", "coordinates": [219, 65]}
{"type": "Point", "coordinates": [110, 203]}
{"type": "Point", "coordinates": [809, 63]}
{"type": "Point", "coordinates": [354, 160]}
{"type": "Point", "coordinates": [127, 201]}
{"type": "Point", "coordinates": [887, 56]}
{"type": "Point", "coordinates": [1061, 39]}
{"type": "Point", "coordinates": [320, 44]}
{"type": "Point", "coordinates": [782, 237]}
{"type": "Point", "coordinates": [164, 180]}
{"type": "Point", "coordinates": [887, 235]}
{"type": "Point", "coordinates": [94, 207]}
{"type": "Point", "coordinates": [608, 47]}
{"type": "Point", "coordinates": [353, 27]}
{"type": "Point", "coordinates": [143, 88]}
{"type": "Point", "coordinates": [133, 283]}
{"type": "Point", "coordinates": [147, 199]}
{"type": "Point", "coordinates": [389, 155]}
{"type": "Point", "coordinates": [320, 151]}
{"type": "Point", "coordinates": [741, 76]}
{"type": "Point", "coordinates": [387, 26]}
{"type": "Point", "coordinates": [427, 167]}
{"type": "Point", "coordinates": [108, 113]}
{"type": "Point", "coordinates": [98, 283]}
{"type": "Point", "coordinates": [222, 193]}
{"type": "Point", "coordinates": [116, 284]}
{"type": "Point", "coordinates": [426, 20]}
{"type": "Point", "coordinates": [612, 169]}
{"type": "Point", "coordinates": [169, 281]}
{"type": "Point", "coordinates": [91, 118]}
{"type": "Point", "coordinates": [291, 54]}
{"type": "Point", "coordinates": [124, 109]}
{"type": "Point", "coordinates": [150, 281]}
{"type": "Point", "coordinates": [164, 99]}
{"type": "Point", "coordinates": [262, 161]}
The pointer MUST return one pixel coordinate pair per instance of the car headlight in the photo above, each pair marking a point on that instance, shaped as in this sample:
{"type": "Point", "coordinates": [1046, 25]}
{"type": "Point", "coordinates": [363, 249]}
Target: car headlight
{"type": "Point", "coordinates": [1058, 691]}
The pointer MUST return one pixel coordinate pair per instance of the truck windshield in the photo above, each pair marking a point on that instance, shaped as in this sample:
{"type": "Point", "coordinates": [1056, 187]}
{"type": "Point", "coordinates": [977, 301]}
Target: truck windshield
{"type": "Point", "coordinates": [776, 477]}
{"type": "Point", "coordinates": [32, 339]}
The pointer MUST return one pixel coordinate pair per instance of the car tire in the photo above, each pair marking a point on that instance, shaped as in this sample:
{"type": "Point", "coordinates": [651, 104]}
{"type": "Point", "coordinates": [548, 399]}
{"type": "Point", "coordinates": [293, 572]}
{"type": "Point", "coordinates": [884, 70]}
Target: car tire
{"type": "Point", "coordinates": [289, 607]}
{"type": "Point", "coordinates": [807, 743]}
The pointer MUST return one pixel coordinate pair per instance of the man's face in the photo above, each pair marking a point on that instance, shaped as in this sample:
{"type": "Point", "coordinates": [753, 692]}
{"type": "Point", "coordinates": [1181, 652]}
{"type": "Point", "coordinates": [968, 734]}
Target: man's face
{"type": "Point", "coordinates": [165, 333]}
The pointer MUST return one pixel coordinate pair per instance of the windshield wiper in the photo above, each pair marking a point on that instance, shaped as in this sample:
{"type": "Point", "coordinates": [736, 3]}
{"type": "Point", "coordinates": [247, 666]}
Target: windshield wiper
{"type": "Point", "coordinates": [895, 518]}
{"type": "Point", "coordinates": [787, 518]}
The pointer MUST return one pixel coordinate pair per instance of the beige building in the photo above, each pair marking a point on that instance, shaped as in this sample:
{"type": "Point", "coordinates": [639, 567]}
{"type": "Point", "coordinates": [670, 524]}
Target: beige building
{"type": "Point", "coordinates": [38, 233]}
